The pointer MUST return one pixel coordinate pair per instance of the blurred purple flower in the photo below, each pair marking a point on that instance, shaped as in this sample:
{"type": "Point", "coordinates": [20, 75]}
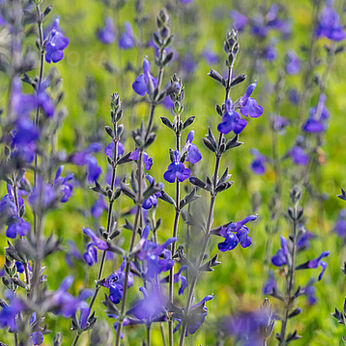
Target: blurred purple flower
{"type": "Point", "coordinates": [98, 207]}
{"type": "Point", "coordinates": [278, 123]}
{"type": "Point", "coordinates": [151, 201]}
{"type": "Point", "coordinates": [318, 116]}
{"type": "Point", "coordinates": [280, 258]}
{"type": "Point", "coordinates": [127, 39]}
{"type": "Point", "coordinates": [110, 148]}
{"type": "Point", "coordinates": [292, 63]}
{"type": "Point", "coordinates": [16, 225]}
{"type": "Point", "coordinates": [270, 285]}
{"type": "Point", "coordinates": [340, 225]}
{"type": "Point", "coordinates": [329, 24]}
{"type": "Point", "coordinates": [294, 96]}
{"type": "Point", "coordinates": [310, 292]}
{"type": "Point", "coordinates": [239, 20]}
{"type": "Point", "coordinates": [298, 155]}
{"type": "Point", "coordinates": [107, 34]}
{"type": "Point", "coordinates": [258, 163]}
{"type": "Point", "coordinates": [63, 185]}
{"type": "Point", "coordinates": [148, 161]}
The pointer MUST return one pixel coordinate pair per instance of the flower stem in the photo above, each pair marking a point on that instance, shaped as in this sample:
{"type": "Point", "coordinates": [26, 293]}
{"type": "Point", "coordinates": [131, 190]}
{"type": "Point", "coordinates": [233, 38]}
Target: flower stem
{"type": "Point", "coordinates": [209, 223]}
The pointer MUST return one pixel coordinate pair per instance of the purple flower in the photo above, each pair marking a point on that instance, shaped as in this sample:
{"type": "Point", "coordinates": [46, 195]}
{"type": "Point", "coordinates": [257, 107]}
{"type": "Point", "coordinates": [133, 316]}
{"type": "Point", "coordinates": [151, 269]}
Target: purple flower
{"type": "Point", "coordinates": [110, 148]}
{"type": "Point", "coordinates": [310, 292]}
{"type": "Point", "coordinates": [280, 258]}
{"type": "Point", "coordinates": [329, 24]}
{"type": "Point", "coordinates": [115, 284]}
{"type": "Point", "coordinates": [36, 337]}
{"type": "Point", "coordinates": [127, 40]}
{"type": "Point", "coordinates": [234, 233]}
{"type": "Point", "coordinates": [278, 123]}
{"type": "Point", "coordinates": [90, 255]}
{"type": "Point", "coordinates": [269, 52]}
{"type": "Point", "coordinates": [294, 96]}
{"type": "Point", "coordinates": [231, 120]}
{"type": "Point", "coordinates": [193, 154]}
{"type": "Point", "coordinates": [303, 240]}
{"type": "Point", "coordinates": [9, 312]}
{"type": "Point", "coordinates": [197, 315]}
{"type": "Point", "coordinates": [239, 20]}
{"type": "Point", "coordinates": [155, 258]}
{"type": "Point", "coordinates": [179, 277]}
{"type": "Point", "coordinates": [56, 43]}
{"type": "Point", "coordinates": [209, 56]}
{"type": "Point", "coordinates": [25, 133]}
{"type": "Point", "coordinates": [16, 225]}
{"type": "Point", "coordinates": [318, 117]}
{"type": "Point", "coordinates": [148, 161]}
{"type": "Point", "coordinates": [270, 285]}
{"type": "Point", "coordinates": [176, 170]}
{"type": "Point", "coordinates": [187, 64]}
{"type": "Point", "coordinates": [152, 307]}
{"type": "Point", "coordinates": [140, 85]}
{"type": "Point", "coordinates": [98, 207]}
{"type": "Point", "coordinates": [8, 208]}
{"type": "Point", "coordinates": [258, 163]}
{"type": "Point", "coordinates": [63, 185]}
{"type": "Point", "coordinates": [248, 105]}
{"type": "Point", "coordinates": [298, 155]}
{"type": "Point", "coordinates": [107, 34]}
{"type": "Point", "coordinates": [43, 196]}
{"type": "Point", "coordinates": [151, 201]}
{"type": "Point", "coordinates": [292, 63]}
{"type": "Point", "coordinates": [72, 253]}
{"type": "Point", "coordinates": [98, 242]}
{"type": "Point", "coordinates": [340, 225]}
{"type": "Point", "coordinates": [315, 263]}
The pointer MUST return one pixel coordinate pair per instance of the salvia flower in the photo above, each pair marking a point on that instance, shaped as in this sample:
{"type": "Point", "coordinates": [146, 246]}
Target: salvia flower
{"type": "Point", "coordinates": [43, 196]}
{"type": "Point", "coordinates": [298, 155]}
{"type": "Point", "coordinates": [239, 20]}
{"type": "Point", "coordinates": [258, 163]}
{"type": "Point", "coordinates": [235, 233]}
{"type": "Point", "coordinates": [148, 161]}
{"type": "Point", "coordinates": [310, 292]}
{"type": "Point", "coordinates": [340, 225]}
{"type": "Point", "coordinates": [303, 240]}
{"type": "Point", "coordinates": [315, 263]}
{"type": "Point", "coordinates": [98, 207]}
{"type": "Point", "coordinates": [248, 105]}
{"type": "Point", "coordinates": [329, 24]}
{"type": "Point", "coordinates": [193, 153]}
{"type": "Point", "coordinates": [196, 317]}
{"type": "Point", "coordinates": [63, 185]}
{"type": "Point", "coordinates": [280, 258]}
{"type": "Point", "coordinates": [151, 201]}
{"type": "Point", "coordinates": [127, 39]}
{"type": "Point", "coordinates": [231, 120]}
{"type": "Point", "coordinates": [90, 255]}
{"type": "Point", "coordinates": [179, 277]}
{"type": "Point", "coordinates": [278, 123]}
{"type": "Point", "coordinates": [110, 149]}
{"type": "Point", "coordinates": [107, 33]}
{"type": "Point", "coordinates": [270, 285]}
{"type": "Point", "coordinates": [140, 85]}
{"type": "Point", "coordinates": [292, 63]}
{"type": "Point", "coordinates": [37, 336]}
{"type": "Point", "coordinates": [16, 225]}
{"type": "Point", "coordinates": [176, 170]}
{"type": "Point", "coordinates": [56, 43]}
{"type": "Point", "coordinates": [10, 311]}
{"type": "Point", "coordinates": [98, 242]}
{"type": "Point", "coordinates": [318, 116]}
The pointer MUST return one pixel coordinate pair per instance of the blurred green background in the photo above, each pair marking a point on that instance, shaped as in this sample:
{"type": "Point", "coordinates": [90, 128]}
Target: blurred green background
{"type": "Point", "coordinates": [237, 282]}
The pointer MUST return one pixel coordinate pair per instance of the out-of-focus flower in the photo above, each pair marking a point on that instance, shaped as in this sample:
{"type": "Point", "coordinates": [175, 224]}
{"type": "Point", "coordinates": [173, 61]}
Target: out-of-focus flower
{"type": "Point", "coordinates": [294, 96]}
{"type": "Point", "coordinates": [110, 148]}
{"type": "Point", "coordinates": [98, 207]}
{"type": "Point", "coordinates": [63, 185]}
{"type": "Point", "coordinates": [298, 155]}
{"type": "Point", "coordinates": [318, 116]}
{"type": "Point", "coordinates": [176, 170]}
{"type": "Point", "coordinates": [148, 161]}
{"type": "Point", "coordinates": [43, 196]}
{"type": "Point", "coordinates": [270, 285]}
{"type": "Point", "coordinates": [239, 20]}
{"type": "Point", "coordinates": [340, 225]}
{"type": "Point", "coordinates": [258, 163]}
{"type": "Point", "coordinates": [10, 311]}
{"type": "Point", "coordinates": [196, 316]}
{"type": "Point", "coordinates": [151, 201]}
{"type": "Point", "coordinates": [107, 33]}
{"type": "Point", "coordinates": [329, 24]}
{"type": "Point", "coordinates": [292, 63]}
{"type": "Point", "coordinates": [16, 225]}
{"type": "Point", "coordinates": [310, 292]}
{"type": "Point", "coordinates": [127, 39]}
{"type": "Point", "coordinates": [56, 43]}
{"type": "Point", "coordinates": [280, 258]}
